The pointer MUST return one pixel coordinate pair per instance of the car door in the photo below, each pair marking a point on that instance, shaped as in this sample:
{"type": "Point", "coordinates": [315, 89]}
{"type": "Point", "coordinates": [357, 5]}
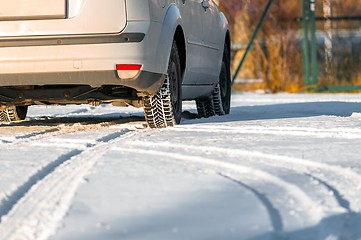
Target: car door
{"type": "Point", "coordinates": [211, 41]}
{"type": "Point", "coordinates": [192, 26]}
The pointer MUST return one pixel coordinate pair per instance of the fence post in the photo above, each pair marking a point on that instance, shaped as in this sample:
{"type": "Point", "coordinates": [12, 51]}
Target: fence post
{"type": "Point", "coordinates": [254, 35]}
{"type": "Point", "coordinates": [306, 54]}
{"type": "Point", "coordinates": [327, 13]}
{"type": "Point", "coordinates": [314, 63]}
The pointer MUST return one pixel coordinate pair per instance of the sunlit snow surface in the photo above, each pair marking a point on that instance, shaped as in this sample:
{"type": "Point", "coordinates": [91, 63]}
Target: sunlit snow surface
{"type": "Point", "coordinates": [278, 167]}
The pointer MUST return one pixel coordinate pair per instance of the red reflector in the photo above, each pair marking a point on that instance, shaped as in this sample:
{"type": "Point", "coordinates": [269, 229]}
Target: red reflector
{"type": "Point", "coordinates": [128, 67]}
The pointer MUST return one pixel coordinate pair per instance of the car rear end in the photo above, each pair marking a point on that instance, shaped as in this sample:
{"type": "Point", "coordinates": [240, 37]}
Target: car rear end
{"type": "Point", "coordinates": [76, 51]}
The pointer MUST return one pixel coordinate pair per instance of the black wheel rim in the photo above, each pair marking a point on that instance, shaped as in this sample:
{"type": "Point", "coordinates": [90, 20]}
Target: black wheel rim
{"type": "Point", "coordinates": [174, 82]}
{"type": "Point", "coordinates": [225, 88]}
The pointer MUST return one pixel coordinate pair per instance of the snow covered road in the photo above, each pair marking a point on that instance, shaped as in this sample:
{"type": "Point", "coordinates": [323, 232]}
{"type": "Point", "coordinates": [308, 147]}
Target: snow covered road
{"type": "Point", "coordinates": [278, 167]}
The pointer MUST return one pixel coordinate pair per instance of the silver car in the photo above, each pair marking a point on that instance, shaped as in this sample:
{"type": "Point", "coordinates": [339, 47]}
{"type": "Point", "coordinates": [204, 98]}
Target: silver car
{"type": "Point", "coordinates": [143, 53]}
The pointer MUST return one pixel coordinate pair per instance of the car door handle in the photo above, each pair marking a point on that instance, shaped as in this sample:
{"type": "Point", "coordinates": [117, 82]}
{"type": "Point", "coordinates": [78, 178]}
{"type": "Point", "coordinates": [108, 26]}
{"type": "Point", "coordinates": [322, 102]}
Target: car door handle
{"type": "Point", "coordinates": [206, 4]}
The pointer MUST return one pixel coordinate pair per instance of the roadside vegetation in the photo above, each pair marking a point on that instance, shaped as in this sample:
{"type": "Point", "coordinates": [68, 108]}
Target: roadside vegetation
{"type": "Point", "coordinates": [276, 56]}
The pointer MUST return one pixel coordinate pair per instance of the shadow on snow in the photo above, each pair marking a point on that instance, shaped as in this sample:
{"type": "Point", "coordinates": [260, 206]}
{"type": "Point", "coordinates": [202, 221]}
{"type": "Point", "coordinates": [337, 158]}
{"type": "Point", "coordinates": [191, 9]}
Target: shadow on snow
{"type": "Point", "coordinates": [285, 111]}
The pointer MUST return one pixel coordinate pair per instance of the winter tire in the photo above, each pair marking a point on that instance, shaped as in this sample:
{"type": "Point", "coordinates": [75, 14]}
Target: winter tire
{"type": "Point", "coordinates": [13, 114]}
{"type": "Point", "coordinates": [165, 108]}
{"type": "Point", "coordinates": [219, 103]}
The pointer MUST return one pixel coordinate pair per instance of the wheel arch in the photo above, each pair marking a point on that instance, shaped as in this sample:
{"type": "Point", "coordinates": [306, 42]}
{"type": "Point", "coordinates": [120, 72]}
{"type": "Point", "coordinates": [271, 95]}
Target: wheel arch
{"type": "Point", "coordinates": [171, 30]}
{"type": "Point", "coordinates": [226, 33]}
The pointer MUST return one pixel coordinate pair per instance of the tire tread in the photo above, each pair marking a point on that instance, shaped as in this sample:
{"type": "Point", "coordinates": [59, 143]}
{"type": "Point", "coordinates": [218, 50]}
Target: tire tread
{"type": "Point", "coordinates": [13, 114]}
{"type": "Point", "coordinates": [158, 109]}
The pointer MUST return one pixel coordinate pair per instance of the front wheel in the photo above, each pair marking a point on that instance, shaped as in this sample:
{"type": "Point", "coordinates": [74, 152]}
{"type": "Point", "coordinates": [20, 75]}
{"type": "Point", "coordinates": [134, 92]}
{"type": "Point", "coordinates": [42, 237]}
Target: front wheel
{"type": "Point", "coordinates": [13, 114]}
{"type": "Point", "coordinates": [165, 108]}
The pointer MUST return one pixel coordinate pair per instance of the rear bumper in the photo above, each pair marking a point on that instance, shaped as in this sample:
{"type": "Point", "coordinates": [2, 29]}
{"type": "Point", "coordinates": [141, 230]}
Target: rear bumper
{"type": "Point", "coordinates": [71, 40]}
{"type": "Point", "coordinates": [147, 83]}
{"type": "Point", "coordinates": [89, 60]}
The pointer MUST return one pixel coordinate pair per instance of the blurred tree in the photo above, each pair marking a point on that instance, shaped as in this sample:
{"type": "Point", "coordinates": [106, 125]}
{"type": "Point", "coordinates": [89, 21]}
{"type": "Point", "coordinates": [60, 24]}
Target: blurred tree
{"type": "Point", "coordinates": [272, 51]}
{"type": "Point", "coordinates": [276, 56]}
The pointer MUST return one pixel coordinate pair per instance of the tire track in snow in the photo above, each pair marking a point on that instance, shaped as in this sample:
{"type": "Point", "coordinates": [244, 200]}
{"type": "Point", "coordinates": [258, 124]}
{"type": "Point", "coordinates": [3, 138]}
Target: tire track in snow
{"type": "Point", "coordinates": [313, 211]}
{"type": "Point", "coordinates": [56, 131]}
{"type": "Point", "coordinates": [7, 204]}
{"type": "Point", "coordinates": [338, 196]}
{"type": "Point", "coordinates": [16, 140]}
{"type": "Point", "coordinates": [36, 208]}
{"type": "Point", "coordinates": [273, 212]}
{"type": "Point", "coordinates": [302, 166]}
{"type": "Point", "coordinates": [343, 133]}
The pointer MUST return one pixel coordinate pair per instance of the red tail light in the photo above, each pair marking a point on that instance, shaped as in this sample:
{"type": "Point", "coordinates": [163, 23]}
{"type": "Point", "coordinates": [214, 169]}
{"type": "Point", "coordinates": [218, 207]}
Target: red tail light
{"type": "Point", "coordinates": [128, 71]}
{"type": "Point", "coordinates": [128, 67]}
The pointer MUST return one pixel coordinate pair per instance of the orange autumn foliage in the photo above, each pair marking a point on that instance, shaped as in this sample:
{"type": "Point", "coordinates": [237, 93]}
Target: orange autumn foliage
{"type": "Point", "coordinates": [276, 56]}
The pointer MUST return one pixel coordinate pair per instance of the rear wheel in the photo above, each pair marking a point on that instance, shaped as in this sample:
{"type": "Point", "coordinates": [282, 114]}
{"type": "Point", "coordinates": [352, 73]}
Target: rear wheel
{"type": "Point", "coordinates": [165, 108]}
{"type": "Point", "coordinates": [13, 113]}
{"type": "Point", "coordinates": [219, 103]}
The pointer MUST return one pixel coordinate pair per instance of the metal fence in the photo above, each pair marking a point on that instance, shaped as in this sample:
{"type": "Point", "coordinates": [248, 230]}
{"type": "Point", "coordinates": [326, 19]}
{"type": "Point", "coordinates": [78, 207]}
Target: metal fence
{"type": "Point", "coordinates": [331, 47]}
{"type": "Point", "coordinates": [330, 42]}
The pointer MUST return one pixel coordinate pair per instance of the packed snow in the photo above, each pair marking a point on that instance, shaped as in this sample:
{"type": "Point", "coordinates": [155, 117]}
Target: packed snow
{"type": "Point", "coordinates": [283, 166]}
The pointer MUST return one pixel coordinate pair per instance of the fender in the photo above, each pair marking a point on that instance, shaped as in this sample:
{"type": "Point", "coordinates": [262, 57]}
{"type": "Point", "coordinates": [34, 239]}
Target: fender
{"type": "Point", "coordinates": [171, 21]}
{"type": "Point", "coordinates": [224, 23]}
{"type": "Point", "coordinates": [225, 30]}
